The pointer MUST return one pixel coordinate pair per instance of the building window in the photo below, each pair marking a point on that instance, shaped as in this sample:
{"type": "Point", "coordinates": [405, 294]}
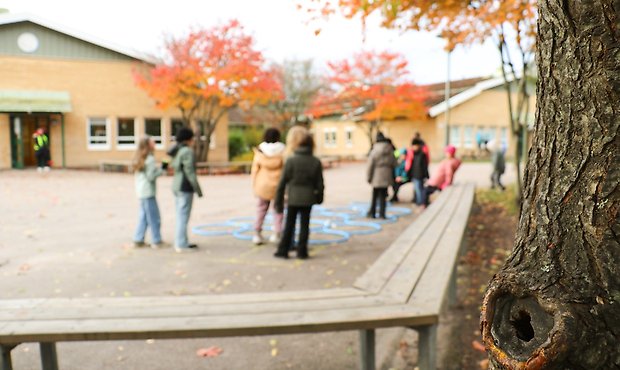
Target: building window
{"type": "Point", "coordinates": [175, 124]}
{"type": "Point", "coordinates": [98, 133]}
{"type": "Point", "coordinates": [126, 133]}
{"type": "Point", "coordinates": [504, 137]}
{"type": "Point", "coordinates": [490, 134]}
{"type": "Point", "coordinates": [348, 135]}
{"type": "Point", "coordinates": [152, 127]}
{"type": "Point", "coordinates": [468, 137]}
{"type": "Point", "coordinates": [455, 135]}
{"type": "Point", "coordinates": [330, 137]}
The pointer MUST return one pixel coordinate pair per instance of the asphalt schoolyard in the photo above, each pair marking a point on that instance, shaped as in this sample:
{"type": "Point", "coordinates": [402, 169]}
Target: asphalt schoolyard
{"type": "Point", "coordinates": [68, 234]}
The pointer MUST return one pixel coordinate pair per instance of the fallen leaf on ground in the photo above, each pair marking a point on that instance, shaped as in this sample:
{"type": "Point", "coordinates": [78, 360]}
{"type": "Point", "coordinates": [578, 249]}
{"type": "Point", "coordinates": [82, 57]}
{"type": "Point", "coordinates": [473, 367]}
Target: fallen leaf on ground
{"type": "Point", "coordinates": [478, 346]}
{"type": "Point", "coordinates": [273, 342]}
{"type": "Point", "coordinates": [484, 364]}
{"type": "Point", "coordinates": [274, 352]}
{"type": "Point", "coordinates": [212, 351]}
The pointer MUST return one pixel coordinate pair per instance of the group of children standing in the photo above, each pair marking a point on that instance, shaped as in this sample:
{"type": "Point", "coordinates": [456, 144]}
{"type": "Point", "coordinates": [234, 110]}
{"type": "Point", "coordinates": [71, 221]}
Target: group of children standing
{"type": "Point", "coordinates": [388, 166]}
{"type": "Point", "coordinates": [288, 174]}
{"type": "Point", "coordinates": [280, 174]}
{"type": "Point", "coordinates": [184, 186]}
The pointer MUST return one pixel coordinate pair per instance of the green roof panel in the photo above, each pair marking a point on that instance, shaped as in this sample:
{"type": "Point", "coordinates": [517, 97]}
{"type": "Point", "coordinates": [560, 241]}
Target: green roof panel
{"type": "Point", "coordinates": [31, 101]}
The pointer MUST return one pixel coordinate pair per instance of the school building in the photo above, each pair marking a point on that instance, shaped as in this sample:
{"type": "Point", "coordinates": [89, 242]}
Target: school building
{"type": "Point", "coordinates": [81, 91]}
{"type": "Point", "coordinates": [478, 112]}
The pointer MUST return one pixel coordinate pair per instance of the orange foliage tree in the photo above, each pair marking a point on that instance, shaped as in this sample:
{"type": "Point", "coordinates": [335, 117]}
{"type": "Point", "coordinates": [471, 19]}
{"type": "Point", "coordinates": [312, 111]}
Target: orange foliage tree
{"type": "Point", "coordinates": [511, 24]}
{"type": "Point", "coordinates": [206, 74]}
{"type": "Point", "coordinates": [369, 88]}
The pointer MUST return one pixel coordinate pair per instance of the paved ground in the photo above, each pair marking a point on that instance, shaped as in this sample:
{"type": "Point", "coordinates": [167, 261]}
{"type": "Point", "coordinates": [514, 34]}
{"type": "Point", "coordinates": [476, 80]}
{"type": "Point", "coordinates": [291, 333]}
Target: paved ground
{"type": "Point", "coordinates": [67, 234]}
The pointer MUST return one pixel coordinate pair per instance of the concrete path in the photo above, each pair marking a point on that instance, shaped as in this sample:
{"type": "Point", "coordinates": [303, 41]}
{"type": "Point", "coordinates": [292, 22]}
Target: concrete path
{"type": "Point", "coordinates": [68, 234]}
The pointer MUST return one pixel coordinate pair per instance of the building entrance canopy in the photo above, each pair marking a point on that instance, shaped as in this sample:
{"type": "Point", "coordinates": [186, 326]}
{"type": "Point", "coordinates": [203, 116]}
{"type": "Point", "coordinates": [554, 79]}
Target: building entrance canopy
{"type": "Point", "coordinates": [29, 101]}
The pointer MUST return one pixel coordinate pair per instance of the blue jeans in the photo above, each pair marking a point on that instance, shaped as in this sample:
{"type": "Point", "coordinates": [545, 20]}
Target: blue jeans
{"type": "Point", "coordinates": [148, 216]}
{"type": "Point", "coordinates": [419, 196]}
{"type": "Point", "coordinates": [183, 201]}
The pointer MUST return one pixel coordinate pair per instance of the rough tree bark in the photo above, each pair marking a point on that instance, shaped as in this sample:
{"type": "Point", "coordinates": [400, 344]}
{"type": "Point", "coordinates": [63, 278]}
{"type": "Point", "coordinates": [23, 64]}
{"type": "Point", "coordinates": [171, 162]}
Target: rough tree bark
{"type": "Point", "coordinates": [556, 302]}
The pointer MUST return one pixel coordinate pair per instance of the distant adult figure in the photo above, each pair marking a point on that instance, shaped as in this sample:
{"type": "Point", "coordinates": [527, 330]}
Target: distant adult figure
{"type": "Point", "coordinates": [41, 150]}
{"type": "Point", "coordinates": [418, 171]}
{"type": "Point", "coordinates": [302, 180]}
{"type": "Point", "coordinates": [444, 173]}
{"type": "Point", "coordinates": [498, 163]}
{"type": "Point", "coordinates": [184, 185]}
{"type": "Point", "coordinates": [380, 174]}
{"type": "Point", "coordinates": [409, 161]}
{"type": "Point", "coordinates": [146, 173]}
{"type": "Point", "coordinates": [266, 171]}
{"type": "Point", "coordinates": [400, 175]}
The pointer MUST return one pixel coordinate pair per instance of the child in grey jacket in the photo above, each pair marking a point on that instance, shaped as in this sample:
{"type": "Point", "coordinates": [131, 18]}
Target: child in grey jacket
{"type": "Point", "coordinates": [146, 173]}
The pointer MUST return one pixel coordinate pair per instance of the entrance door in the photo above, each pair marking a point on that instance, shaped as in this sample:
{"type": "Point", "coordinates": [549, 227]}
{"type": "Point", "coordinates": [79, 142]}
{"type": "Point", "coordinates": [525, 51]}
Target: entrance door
{"type": "Point", "coordinates": [23, 127]}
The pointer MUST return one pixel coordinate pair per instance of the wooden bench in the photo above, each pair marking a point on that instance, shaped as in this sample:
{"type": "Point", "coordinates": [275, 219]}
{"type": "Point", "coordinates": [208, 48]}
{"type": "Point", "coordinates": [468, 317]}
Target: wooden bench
{"type": "Point", "coordinates": [210, 168]}
{"type": "Point", "coordinates": [405, 287]}
{"type": "Point", "coordinates": [115, 166]}
{"type": "Point", "coordinates": [330, 161]}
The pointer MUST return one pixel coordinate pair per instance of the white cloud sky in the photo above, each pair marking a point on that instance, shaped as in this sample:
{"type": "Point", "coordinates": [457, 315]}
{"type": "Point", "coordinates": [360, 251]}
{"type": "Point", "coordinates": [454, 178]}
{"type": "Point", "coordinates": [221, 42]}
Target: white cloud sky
{"type": "Point", "coordinates": [279, 28]}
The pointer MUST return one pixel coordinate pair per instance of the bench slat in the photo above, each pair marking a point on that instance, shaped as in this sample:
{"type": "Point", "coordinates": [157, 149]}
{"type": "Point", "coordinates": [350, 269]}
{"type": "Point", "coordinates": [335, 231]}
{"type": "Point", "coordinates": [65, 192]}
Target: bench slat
{"type": "Point", "coordinates": [215, 326]}
{"type": "Point", "coordinates": [380, 271]}
{"type": "Point", "coordinates": [61, 309]}
{"type": "Point", "coordinates": [412, 267]}
{"type": "Point", "coordinates": [213, 299]}
{"type": "Point", "coordinates": [429, 293]}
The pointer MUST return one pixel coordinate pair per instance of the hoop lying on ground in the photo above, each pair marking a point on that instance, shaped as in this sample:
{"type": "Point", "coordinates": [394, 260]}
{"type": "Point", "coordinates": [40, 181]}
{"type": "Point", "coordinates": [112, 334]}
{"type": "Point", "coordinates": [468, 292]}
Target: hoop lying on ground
{"type": "Point", "coordinates": [404, 287]}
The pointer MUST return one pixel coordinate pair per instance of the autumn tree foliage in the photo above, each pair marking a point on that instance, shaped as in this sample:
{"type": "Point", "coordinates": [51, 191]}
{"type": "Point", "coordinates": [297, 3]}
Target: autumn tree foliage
{"type": "Point", "coordinates": [369, 88]}
{"type": "Point", "coordinates": [510, 24]}
{"type": "Point", "coordinates": [207, 73]}
{"type": "Point", "coordinates": [299, 84]}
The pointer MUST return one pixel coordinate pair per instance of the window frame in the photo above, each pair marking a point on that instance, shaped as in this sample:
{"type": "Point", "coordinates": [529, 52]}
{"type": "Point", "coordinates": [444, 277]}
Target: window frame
{"type": "Point", "coordinates": [126, 146]}
{"type": "Point", "coordinates": [159, 145]}
{"type": "Point", "coordinates": [108, 136]}
{"type": "Point", "coordinates": [348, 136]}
{"type": "Point", "coordinates": [330, 138]}
{"type": "Point", "coordinates": [469, 137]}
{"type": "Point", "coordinates": [457, 129]}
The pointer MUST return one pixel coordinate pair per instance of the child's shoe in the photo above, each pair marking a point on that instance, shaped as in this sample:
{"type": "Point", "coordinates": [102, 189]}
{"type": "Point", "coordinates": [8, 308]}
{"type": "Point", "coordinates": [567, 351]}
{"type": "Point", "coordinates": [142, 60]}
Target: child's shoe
{"type": "Point", "coordinates": [257, 239]}
{"type": "Point", "coordinates": [274, 238]}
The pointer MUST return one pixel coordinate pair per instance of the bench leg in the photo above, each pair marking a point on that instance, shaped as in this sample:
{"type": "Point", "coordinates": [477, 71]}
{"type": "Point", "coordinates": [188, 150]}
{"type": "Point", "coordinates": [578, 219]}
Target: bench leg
{"type": "Point", "coordinates": [7, 363]}
{"type": "Point", "coordinates": [367, 349]}
{"type": "Point", "coordinates": [452, 288]}
{"type": "Point", "coordinates": [427, 347]}
{"type": "Point", "coordinates": [49, 359]}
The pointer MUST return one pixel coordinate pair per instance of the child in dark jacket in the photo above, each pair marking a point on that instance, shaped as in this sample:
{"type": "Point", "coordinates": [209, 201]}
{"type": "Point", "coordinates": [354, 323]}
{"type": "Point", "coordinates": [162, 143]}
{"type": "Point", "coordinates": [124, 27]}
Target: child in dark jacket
{"type": "Point", "coordinates": [302, 178]}
{"type": "Point", "coordinates": [419, 171]}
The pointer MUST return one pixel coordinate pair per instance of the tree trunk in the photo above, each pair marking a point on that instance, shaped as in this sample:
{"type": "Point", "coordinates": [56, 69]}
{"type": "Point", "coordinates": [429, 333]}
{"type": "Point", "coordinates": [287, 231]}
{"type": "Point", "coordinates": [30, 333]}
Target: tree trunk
{"type": "Point", "coordinates": [556, 302]}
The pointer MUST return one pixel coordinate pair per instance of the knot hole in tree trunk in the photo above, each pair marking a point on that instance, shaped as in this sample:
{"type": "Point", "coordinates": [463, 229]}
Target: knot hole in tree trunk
{"type": "Point", "coordinates": [520, 325]}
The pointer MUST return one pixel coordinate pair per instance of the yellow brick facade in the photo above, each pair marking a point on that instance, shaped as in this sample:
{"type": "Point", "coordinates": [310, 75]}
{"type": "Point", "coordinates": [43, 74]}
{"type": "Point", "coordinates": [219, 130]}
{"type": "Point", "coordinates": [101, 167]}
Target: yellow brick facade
{"type": "Point", "coordinates": [103, 89]}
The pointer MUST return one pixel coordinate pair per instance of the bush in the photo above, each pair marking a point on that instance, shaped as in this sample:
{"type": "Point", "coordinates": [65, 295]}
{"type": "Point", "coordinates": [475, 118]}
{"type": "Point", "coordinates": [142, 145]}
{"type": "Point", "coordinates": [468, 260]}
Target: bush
{"type": "Point", "coordinates": [236, 143]}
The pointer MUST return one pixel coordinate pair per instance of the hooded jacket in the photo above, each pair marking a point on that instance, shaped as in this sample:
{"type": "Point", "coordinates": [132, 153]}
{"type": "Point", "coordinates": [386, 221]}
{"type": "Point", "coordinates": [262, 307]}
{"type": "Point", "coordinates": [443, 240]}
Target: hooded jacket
{"type": "Point", "coordinates": [381, 164]}
{"type": "Point", "coordinates": [184, 166]}
{"type": "Point", "coordinates": [266, 169]}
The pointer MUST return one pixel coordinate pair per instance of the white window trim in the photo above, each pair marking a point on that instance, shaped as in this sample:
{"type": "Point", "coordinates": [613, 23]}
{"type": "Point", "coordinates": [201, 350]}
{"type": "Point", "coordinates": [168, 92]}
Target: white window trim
{"type": "Point", "coordinates": [332, 139]}
{"type": "Point", "coordinates": [120, 146]}
{"type": "Point", "coordinates": [458, 142]}
{"type": "Point", "coordinates": [472, 137]}
{"type": "Point", "coordinates": [161, 132]}
{"type": "Point", "coordinates": [349, 131]}
{"type": "Point", "coordinates": [99, 147]}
